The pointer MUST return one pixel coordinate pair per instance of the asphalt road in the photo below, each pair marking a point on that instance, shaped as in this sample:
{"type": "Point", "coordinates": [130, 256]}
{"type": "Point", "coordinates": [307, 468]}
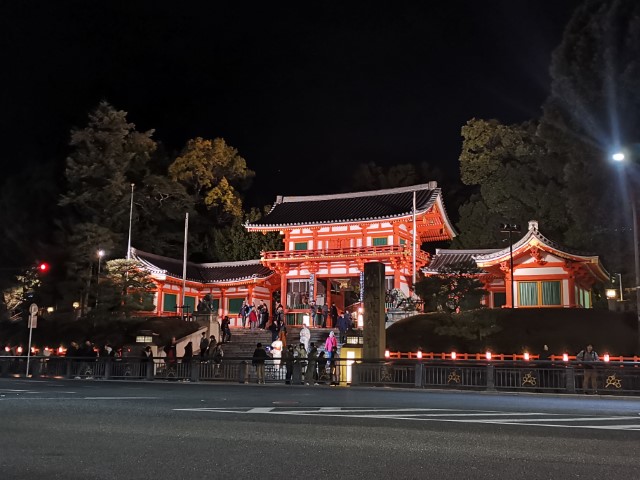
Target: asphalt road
{"type": "Point", "coordinates": [87, 429]}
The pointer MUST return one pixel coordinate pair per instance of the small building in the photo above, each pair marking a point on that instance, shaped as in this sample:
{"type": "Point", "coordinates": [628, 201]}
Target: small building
{"type": "Point", "coordinates": [228, 284]}
{"type": "Point", "coordinates": [545, 273]}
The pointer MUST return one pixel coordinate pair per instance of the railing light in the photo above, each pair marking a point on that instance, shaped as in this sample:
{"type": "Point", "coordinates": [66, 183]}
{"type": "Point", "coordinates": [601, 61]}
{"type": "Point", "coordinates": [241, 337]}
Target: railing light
{"type": "Point", "coordinates": [565, 357]}
{"type": "Point", "coordinates": [526, 356]}
{"type": "Point", "coordinates": [60, 350]}
{"type": "Point", "coordinates": [488, 355]}
{"type": "Point", "coordinates": [19, 350]}
{"type": "Point", "coordinates": [453, 355]}
{"type": "Point", "coordinates": [387, 354]}
{"type": "Point", "coordinates": [7, 349]}
{"type": "Point", "coordinates": [606, 357]}
{"type": "Point", "coordinates": [419, 354]}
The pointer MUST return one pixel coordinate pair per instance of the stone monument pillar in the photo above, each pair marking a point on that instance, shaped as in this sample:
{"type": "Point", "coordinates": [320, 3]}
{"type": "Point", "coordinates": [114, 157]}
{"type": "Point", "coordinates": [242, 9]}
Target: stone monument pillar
{"type": "Point", "coordinates": [374, 334]}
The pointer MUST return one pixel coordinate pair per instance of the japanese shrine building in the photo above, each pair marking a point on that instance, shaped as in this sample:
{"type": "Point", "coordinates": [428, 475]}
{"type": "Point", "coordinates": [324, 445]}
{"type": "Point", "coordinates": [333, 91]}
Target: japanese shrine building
{"type": "Point", "coordinates": [329, 238]}
{"type": "Point", "coordinates": [545, 273]}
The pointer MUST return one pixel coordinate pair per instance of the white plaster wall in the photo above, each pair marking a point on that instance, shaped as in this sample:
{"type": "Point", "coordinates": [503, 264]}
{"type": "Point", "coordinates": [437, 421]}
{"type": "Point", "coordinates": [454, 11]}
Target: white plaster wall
{"type": "Point", "coordinates": [525, 272]}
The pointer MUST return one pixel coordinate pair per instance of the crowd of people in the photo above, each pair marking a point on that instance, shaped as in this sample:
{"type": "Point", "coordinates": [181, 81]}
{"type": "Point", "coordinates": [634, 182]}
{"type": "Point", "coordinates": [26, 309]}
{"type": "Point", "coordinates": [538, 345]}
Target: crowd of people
{"type": "Point", "coordinates": [305, 363]}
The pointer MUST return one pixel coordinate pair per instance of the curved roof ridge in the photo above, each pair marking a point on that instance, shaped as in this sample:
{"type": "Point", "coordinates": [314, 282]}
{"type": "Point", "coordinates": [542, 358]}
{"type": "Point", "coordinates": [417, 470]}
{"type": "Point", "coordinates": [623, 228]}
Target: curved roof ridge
{"type": "Point", "coordinates": [450, 251]}
{"type": "Point", "coordinates": [432, 185]}
{"type": "Point", "coordinates": [238, 263]}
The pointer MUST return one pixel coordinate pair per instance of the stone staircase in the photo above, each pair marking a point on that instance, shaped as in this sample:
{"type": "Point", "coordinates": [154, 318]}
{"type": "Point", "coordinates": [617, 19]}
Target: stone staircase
{"type": "Point", "coordinates": [243, 341]}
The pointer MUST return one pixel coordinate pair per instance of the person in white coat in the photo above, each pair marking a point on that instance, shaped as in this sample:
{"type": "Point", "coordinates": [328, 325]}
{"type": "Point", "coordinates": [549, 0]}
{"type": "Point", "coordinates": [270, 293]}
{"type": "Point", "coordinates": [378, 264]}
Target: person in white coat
{"type": "Point", "coordinates": [305, 336]}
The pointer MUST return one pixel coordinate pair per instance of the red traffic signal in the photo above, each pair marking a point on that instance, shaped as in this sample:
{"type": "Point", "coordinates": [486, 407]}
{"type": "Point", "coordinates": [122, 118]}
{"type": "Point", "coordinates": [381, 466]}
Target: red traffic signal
{"type": "Point", "coordinates": [43, 267]}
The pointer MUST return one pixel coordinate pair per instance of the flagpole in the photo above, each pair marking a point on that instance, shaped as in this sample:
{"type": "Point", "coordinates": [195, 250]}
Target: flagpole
{"type": "Point", "coordinates": [413, 284]}
{"type": "Point", "coordinates": [130, 223]}
{"type": "Point", "coordinates": [184, 261]}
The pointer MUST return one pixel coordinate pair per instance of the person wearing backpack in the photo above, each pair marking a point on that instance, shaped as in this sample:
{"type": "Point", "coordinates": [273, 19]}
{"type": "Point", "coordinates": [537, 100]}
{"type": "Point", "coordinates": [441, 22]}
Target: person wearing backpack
{"type": "Point", "coordinates": [204, 344]}
{"type": "Point", "coordinates": [588, 357]}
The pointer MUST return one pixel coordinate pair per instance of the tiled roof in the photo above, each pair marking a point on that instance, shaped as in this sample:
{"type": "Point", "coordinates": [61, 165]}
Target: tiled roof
{"type": "Point", "coordinates": [224, 272]}
{"type": "Point", "coordinates": [350, 207]}
{"type": "Point", "coordinates": [531, 233]}
{"type": "Point", "coordinates": [444, 258]}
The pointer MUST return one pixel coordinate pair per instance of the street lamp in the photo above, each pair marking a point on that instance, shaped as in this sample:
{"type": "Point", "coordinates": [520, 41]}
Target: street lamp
{"type": "Point", "coordinates": [511, 228]}
{"type": "Point", "coordinates": [621, 157]}
{"type": "Point", "coordinates": [100, 255]}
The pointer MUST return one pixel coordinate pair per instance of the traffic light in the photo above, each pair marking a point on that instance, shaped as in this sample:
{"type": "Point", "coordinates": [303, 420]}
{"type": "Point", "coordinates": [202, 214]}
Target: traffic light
{"type": "Point", "coordinates": [43, 267]}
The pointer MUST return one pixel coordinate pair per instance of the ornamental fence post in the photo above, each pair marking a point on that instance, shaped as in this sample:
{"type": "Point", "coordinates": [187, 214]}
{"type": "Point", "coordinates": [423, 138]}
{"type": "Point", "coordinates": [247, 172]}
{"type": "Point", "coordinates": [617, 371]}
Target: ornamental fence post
{"type": "Point", "coordinates": [417, 382]}
{"type": "Point", "coordinates": [195, 369]}
{"type": "Point", "coordinates": [491, 378]}
{"type": "Point", "coordinates": [570, 379]}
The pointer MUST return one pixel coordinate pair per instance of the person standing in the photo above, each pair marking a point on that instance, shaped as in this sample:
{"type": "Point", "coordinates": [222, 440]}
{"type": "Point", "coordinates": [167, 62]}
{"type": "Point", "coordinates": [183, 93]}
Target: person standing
{"type": "Point", "coordinates": [243, 313]}
{"type": "Point", "coordinates": [259, 357]}
{"type": "Point", "coordinates": [325, 315]}
{"type": "Point", "coordinates": [226, 329]}
{"type": "Point", "coordinates": [305, 336]}
{"type": "Point", "coordinates": [330, 343]}
{"type": "Point", "coordinates": [170, 351]}
{"type": "Point", "coordinates": [204, 344]}
{"type": "Point", "coordinates": [334, 315]}
{"type": "Point", "coordinates": [588, 357]}
{"type": "Point", "coordinates": [302, 361]}
{"type": "Point", "coordinates": [288, 356]}
{"type": "Point", "coordinates": [334, 366]}
{"type": "Point", "coordinates": [311, 376]}
{"type": "Point", "coordinates": [253, 318]}
{"type": "Point", "coordinates": [343, 324]}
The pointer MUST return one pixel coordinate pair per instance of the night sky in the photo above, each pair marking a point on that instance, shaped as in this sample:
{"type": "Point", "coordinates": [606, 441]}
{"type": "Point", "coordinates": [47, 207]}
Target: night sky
{"type": "Point", "coordinates": [304, 90]}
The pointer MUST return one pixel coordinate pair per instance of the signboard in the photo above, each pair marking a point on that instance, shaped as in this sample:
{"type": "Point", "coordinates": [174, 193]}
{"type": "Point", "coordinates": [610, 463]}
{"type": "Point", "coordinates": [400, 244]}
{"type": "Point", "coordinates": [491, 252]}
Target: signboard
{"type": "Point", "coordinates": [33, 317]}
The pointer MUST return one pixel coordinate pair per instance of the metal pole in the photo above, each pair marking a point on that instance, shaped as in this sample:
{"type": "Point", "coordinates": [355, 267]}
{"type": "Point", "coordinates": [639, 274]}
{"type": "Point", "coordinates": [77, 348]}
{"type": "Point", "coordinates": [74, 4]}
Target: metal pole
{"type": "Point", "coordinates": [637, 261]}
{"type": "Point", "coordinates": [620, 284]}
{"type": "Point", "coordinates": [184, 260]}
{"type": "Point", "coordinates": [130, 223]}
{"type": "Point", "coordinates": [513, 290]}
{"type": "Point", "coordinates": [413, 284]}
{"type": "Point", "coordinates": [29, 348]}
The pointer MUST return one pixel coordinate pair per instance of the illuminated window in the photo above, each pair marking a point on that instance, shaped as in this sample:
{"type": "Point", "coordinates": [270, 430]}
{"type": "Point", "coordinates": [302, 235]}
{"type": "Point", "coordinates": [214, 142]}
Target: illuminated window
{"type": "Point", "coordinates": [531, 294]}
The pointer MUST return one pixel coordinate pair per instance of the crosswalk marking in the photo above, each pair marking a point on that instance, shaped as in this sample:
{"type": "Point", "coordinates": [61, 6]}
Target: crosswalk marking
{"type": "Point", "coordinates": [534, 419]}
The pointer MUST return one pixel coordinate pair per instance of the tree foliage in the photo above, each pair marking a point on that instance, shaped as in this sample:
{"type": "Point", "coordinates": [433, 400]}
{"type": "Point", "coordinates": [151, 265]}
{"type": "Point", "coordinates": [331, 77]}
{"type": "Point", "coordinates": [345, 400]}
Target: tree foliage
{"type": "Point", "coordinates": [236, 243]}
{"type": "Point", "coordinates": [213, 172]}
{"type": "Point", "coordinates": [454, 289]}
{"type": "Point", "coordinates": [509, 164]}
{"type": "Point", "coordinates": [126, 287]}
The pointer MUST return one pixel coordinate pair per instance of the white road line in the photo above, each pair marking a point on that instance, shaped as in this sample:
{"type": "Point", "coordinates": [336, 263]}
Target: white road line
{"type": "Point", "coordinates": [571, 419]}
{"type": "Point", "coordinates": [120, 398]}
{"type": "Point", "coordinates": [261, 410]}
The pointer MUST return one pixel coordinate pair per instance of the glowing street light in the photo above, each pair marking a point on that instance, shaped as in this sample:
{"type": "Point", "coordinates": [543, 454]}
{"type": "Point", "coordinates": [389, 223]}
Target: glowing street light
{"type": "Point", "coordinates": [621, 157]}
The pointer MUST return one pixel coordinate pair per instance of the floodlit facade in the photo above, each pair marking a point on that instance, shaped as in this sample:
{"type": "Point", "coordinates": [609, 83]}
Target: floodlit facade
{"type": "Point", "coordinates": [545, 273]}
